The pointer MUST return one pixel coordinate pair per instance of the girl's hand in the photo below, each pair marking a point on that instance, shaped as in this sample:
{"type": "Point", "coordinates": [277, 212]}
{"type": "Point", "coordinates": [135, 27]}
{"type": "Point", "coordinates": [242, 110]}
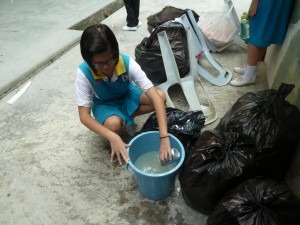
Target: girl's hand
{"type": "Point", "coordinates": [118, 148]}
{"type": "Point", "coordinates": [165, 150]}
{"type": "Point", "coordinates": [253, 8]}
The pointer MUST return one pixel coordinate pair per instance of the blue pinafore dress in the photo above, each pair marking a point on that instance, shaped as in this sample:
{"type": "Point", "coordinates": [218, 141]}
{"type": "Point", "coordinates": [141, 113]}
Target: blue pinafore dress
{"type": "Point", "coordinates": [120, 98]}
{"type": "Point", "coordinates": [270, 24]}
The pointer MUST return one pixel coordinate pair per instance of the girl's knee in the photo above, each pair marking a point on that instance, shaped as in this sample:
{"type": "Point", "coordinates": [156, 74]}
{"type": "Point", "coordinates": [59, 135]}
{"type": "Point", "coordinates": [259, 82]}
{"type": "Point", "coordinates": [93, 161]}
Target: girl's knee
{"type": "Point", "coordinates": [114, 123]}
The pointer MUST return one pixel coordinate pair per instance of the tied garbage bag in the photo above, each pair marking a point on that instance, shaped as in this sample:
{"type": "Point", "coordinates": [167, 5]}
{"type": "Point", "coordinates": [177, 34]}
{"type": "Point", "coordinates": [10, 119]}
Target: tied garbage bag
{"type": "Point", "coordinates": [215, 163]}
{"type": "Point", "coordinates": [272, 122]}
{"type": "Point", "coordinates": [186, 126]}
{"type": "Point", "coordinates": [257, 202]}
{"type": "Point", "coordinates": [148, 54]}
{"type": "Point", "coordinates": [166, 14]}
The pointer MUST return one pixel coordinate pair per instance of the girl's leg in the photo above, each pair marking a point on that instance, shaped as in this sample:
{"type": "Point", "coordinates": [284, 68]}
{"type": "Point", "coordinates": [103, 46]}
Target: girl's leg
{"type": "Point", "coordinates": [146, 105]}
{"type": "Point", "coordinates": [254, 55]}
{"type": "Point", "coordinates": [114, 123]}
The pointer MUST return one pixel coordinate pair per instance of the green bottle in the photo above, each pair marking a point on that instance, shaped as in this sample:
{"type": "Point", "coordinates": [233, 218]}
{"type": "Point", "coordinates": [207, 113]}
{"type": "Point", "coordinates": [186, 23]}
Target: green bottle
{"type": "Point", "coordinates": [244, 26]}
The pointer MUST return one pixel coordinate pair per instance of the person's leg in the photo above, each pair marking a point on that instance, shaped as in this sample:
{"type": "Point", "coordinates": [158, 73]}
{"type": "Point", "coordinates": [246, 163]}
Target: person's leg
{"type": "Point", "coordinates": [136, 9]}
{"type": "Point", "coordinates": [131, 13]}
{"type": "Point", "coordinates": [114, 123]}
{"type": "Point", "coordinates": [109, 116]}
{"type": "Point", "coordinates": [146, 105]}
{"type": "Point", "coordinates": [254, 55]}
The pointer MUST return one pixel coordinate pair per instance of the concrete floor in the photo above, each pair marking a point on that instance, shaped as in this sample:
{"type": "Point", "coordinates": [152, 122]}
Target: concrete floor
{"type": "Point", "coordinates": [53, 170]}
{"type": "Point", "coordinates": [34, 33]}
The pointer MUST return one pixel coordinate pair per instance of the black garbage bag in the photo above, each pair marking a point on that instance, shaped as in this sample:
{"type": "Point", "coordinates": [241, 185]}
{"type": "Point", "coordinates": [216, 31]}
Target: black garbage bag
{"type": "Point", "coordinates": [215, 163]}
{"type": "Point", "coordinates": [257, 202]}
{"type": "Point", "coordinates": [166, 14]}
{"type": "Point", "coordinates": [272, 122]}
{"type": "Point", "coordinates": [186, 126]}
{"type": "Point", "coordinates": [148, 54]}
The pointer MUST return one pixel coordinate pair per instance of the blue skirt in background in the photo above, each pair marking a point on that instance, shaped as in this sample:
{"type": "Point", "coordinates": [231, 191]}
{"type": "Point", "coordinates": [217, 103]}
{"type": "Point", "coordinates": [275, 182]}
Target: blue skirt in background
{"type": "Point", "coordinates": [270, 24]}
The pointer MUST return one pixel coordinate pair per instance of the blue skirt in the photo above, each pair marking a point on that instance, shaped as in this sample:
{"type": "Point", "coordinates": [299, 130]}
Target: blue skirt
{"type": "Point", "coordinates": [270, 24]}
{"type": "Point", "coordinates": [122, 107]}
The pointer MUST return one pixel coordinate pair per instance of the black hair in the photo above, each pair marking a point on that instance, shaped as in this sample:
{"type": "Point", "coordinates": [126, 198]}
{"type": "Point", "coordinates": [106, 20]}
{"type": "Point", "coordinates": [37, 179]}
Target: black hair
{"type": "Point", "coordinates": [98, 39]}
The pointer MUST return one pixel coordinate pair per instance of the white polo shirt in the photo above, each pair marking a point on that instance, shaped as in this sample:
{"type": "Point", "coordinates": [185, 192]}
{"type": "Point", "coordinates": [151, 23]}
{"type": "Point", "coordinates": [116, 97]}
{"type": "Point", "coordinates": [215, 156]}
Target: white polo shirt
{"type": "Point", "coordinates": [84, 89]}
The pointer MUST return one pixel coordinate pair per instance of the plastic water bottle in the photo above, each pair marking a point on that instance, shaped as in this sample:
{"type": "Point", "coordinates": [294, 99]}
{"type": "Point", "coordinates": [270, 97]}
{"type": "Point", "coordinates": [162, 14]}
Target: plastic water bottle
{"type": "Point", "coordinates": [244, 26]}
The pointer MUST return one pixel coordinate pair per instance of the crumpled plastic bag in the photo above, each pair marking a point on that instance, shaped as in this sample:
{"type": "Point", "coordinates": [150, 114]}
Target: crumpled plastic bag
{"type": "Point", "coordinates": [166, 14]}
{"type": "Point", "coordinates": [148, 54]}
{"type": "Point", "coordinates": [186, 126]}
{"type": "Point", "coordinates": [220, 30]}
{"type": "Point", "coordinates": [216, 163]}
{"type": "Point", "coordinates": [257, 202]}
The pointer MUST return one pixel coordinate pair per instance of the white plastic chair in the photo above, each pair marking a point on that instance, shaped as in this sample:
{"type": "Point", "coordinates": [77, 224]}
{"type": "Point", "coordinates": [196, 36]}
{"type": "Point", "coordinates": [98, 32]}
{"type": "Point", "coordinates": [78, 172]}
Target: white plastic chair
{"type": "Point", "coordinates": [200, 50]}
{"type": "Point", "coordinates": [187, 82]}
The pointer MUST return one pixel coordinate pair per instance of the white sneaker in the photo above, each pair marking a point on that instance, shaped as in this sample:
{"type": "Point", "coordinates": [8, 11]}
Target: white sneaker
{"type": "Point", "coordinates": [140, 24]}
{"type": "Point", "coordinates": [126, 28]}
{"type": "Point", "coordinates": [240, 69]}
{"type": "Point", "coordinates": [242, 81]}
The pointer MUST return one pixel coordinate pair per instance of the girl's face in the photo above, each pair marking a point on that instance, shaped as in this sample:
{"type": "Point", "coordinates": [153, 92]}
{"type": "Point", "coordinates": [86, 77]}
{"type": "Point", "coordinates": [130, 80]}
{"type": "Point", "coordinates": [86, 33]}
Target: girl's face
{"type": "Point", "coordinates": [104, 63]}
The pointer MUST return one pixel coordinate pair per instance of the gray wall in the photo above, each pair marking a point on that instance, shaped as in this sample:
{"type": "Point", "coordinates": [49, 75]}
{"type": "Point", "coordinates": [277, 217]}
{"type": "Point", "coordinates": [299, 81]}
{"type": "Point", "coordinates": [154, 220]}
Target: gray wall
{"type": "Point", "coordinates": [283, 66]}
{"type": "Point", "coordinates": [283, 61]}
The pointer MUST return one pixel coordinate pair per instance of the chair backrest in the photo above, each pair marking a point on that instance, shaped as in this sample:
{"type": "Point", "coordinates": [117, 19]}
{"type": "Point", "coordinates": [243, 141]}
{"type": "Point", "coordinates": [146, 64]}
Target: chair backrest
{"type": "Point", "coordinates": [233, 15]}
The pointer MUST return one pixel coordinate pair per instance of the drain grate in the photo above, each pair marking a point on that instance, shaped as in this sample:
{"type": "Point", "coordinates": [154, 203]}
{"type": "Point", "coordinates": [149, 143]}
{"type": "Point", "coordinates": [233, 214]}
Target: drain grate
{"type": "Point", "coordinates": [98, 16]}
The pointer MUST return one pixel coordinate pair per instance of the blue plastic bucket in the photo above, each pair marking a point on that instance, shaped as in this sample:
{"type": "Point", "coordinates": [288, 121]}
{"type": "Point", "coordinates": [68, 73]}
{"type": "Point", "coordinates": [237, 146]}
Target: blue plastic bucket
{"type": "Point", "coordinates": [153, 186]}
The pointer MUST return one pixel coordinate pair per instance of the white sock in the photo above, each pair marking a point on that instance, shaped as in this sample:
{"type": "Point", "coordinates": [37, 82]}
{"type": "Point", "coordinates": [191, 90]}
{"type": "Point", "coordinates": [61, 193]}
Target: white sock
{"type": "Point", "coordinates": [250, 72]}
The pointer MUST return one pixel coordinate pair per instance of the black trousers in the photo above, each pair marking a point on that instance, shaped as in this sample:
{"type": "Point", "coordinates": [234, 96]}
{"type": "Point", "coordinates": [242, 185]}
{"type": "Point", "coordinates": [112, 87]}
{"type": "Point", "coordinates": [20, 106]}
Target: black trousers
{"type": "Point", "coordinates": [133, 12]}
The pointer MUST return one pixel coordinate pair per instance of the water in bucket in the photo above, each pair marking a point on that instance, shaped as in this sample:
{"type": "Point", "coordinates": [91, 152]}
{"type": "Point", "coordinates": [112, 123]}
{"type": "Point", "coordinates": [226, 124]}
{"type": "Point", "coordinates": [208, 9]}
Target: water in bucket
{"type": "Point", "coordinates": [150, 163]}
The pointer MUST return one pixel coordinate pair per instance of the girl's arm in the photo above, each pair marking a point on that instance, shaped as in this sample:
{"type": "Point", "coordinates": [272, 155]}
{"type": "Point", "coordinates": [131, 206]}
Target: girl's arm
{"type": "Point", "coordinates": [84, 98]}
{"type": "Point", "coordinates": [118, 147]}
{"type": "Point", "coordinates": [159, 106]}
{"type": "Point", "coordinates": [138, 76]}
{"type": "Point", "coordinates": [253, 8]}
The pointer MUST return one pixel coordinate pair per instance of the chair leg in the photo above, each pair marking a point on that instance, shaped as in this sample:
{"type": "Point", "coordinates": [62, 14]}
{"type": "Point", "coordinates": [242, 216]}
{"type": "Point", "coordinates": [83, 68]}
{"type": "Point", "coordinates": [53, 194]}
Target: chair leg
{"type": "Point", "coordinates": [199, 45]}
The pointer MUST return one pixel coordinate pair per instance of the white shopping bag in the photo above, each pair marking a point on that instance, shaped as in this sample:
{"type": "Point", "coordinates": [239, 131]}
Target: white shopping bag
{"type": "Point", "coordinates": [220, 29]}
